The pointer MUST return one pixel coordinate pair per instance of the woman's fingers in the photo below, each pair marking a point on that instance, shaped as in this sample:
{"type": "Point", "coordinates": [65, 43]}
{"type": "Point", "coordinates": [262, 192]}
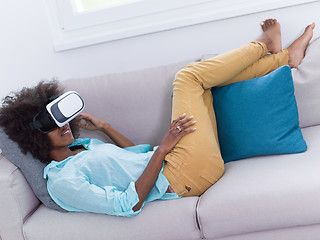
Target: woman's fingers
{"type": "Point", "coordinates": [187, 131]}
{"type": "Point", "coordinates": [184, 123]}
{"type": "Point", "coordinates": [185, 128]}
{"type": "Point", "coordinates": [180, 120]}
{"type": "Point", "coordinates": [174, 122]}
{"type": "Point", "coordinates": [187, 125]}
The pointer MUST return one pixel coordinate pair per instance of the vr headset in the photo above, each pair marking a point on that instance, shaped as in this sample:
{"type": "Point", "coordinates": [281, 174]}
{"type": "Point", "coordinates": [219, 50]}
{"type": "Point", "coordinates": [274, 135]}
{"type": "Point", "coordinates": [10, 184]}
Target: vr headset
{"type": "Point", "coordinates": [58, 112]}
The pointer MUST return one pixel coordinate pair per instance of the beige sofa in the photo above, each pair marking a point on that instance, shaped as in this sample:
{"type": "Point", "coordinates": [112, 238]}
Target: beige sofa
{"type": "Point", "coordinates": [269, 197]}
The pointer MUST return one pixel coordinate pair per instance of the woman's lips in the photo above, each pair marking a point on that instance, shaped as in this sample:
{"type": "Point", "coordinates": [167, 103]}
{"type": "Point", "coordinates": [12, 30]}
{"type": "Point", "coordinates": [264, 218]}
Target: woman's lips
{"type": "Point", "coordinates": [67, 131]}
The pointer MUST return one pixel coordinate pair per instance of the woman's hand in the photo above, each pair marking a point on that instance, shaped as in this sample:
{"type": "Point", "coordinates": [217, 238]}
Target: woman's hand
{"type": "Point", "coordinates": [90, 122]}
{"type": "Point", "coordinates": [178, 128]}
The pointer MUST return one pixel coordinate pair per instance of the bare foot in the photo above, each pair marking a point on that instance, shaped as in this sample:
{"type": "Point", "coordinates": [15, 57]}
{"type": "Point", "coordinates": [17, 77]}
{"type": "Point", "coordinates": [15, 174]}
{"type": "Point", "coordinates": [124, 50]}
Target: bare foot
{"type": "Point", "coordinates": [297, 49]}
{"type": "Point", "coordinates": [271, 35]}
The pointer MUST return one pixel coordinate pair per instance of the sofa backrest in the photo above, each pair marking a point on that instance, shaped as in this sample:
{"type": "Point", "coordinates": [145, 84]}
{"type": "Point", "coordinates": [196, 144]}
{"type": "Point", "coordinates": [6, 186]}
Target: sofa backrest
{"type": "Point", "coordinates": [138, 104]}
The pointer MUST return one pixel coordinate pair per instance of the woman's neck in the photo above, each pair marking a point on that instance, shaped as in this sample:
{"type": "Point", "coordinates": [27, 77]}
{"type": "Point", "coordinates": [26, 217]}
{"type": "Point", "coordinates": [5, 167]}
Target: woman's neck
{"type": "Point", "coordinates": [60, 154]}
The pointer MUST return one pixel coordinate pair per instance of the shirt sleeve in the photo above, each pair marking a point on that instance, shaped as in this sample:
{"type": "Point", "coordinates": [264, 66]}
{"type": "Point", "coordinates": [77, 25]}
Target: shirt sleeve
{"type": "Point", "coordinates": [77, 194]}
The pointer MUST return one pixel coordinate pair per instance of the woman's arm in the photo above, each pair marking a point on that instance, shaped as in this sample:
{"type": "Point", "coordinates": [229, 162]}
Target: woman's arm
{"type": "Point", "coordinates": [149, 176]}
{"type": "Point", "coordinates": [76, 193]}
{"type": "Point", "coordinates": [116, 136]}
{"type": "Point", "coordinates": [92, 123]}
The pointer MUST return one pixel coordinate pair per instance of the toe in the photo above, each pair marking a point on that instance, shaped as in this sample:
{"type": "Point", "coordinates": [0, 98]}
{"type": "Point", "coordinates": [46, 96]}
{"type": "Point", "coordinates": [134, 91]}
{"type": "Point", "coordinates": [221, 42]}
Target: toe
{"type": "Point", "coordinates": [269, 22]}
{"type": "Point", "coordinates": [312, 25]}
{"type": "Point", "coordinates": [263, 25]}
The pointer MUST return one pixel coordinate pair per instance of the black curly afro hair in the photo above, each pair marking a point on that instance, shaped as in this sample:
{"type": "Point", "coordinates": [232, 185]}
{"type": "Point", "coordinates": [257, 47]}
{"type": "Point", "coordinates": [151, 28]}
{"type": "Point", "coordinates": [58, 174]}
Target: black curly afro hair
{"type": "Point", "coordinates": [18, 110]}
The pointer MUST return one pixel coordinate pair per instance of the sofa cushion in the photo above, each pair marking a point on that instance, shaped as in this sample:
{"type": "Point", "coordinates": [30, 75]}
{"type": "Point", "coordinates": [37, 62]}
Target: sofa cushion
{"type": "Point", "coordinates": [308, 232]}
{"type": "Point", "coordinates": [17, 200]}
{"type": "Point", "coordinates": [262, 193]}
{"type": "Point", "coordinates": [307, 85]}
{"type": "Point", "coordinates": [31, 168]}
{"type": "Point", "coordinates": [138, 104]}
{"type": "Point", "coordinates": [258, 117]}
{"type": "Point", "coordinates": [171, 219]}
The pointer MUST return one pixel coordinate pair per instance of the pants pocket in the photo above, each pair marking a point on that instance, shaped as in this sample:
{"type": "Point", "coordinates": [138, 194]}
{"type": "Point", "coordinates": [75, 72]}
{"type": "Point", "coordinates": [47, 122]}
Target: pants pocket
{"type": "Point", "coordinates": [212, 173]}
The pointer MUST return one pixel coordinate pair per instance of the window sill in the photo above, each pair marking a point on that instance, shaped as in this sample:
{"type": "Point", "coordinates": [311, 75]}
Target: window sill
{"type": "Point", "coordinates": [202, 12]}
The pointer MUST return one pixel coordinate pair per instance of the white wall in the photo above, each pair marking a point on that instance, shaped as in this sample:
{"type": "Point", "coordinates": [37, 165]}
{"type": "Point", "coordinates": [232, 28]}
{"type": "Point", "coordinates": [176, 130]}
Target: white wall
{"type": "Point", "coordinates": [27, 55]}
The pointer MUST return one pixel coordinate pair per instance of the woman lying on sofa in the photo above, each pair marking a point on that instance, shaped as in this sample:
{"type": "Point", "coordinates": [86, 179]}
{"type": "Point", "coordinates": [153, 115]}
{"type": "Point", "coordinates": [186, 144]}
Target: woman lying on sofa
{"type": "Point", "coordinates": [92, 176]}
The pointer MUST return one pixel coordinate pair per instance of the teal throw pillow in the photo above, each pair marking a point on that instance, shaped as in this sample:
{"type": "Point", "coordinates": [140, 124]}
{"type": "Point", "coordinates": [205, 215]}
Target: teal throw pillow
{"type": "Point", "coordinates": [258, 117]}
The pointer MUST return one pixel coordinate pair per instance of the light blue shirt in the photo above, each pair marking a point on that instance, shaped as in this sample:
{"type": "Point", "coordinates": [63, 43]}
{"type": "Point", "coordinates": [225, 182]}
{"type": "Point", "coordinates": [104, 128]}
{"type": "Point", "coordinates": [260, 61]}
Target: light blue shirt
{"type": "Point", "coordinates": [102, 179]}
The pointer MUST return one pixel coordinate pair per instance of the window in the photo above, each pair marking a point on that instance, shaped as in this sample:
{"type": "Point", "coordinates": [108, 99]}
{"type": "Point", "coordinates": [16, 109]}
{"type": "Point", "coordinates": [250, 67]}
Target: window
{"type": "Point", "coordinates": [141, 12]}
{"type": "Point", "coordinates": [78, 23]}
{"type": "Point", "coordinates": [87, 5]}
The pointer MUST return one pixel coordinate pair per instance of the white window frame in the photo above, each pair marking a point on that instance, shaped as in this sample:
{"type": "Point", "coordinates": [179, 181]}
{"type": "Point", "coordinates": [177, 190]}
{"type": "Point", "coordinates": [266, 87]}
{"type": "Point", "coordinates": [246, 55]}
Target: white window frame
{"type": "Point", "coordinates": [72, 29]}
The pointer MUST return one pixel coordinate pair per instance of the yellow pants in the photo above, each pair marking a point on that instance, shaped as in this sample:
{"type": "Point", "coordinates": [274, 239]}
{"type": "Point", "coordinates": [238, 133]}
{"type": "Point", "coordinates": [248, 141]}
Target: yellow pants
{"type": "Point", "coordinates": [195, 163]}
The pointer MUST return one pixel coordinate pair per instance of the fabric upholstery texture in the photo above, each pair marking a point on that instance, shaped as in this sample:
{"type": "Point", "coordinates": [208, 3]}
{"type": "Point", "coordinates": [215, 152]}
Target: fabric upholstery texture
{"type": "Point", "coordinates": [17, 200]}
{"type": "Point", "coordinates": [143, 115]}
{"type": "Point", "coordinates": [263, 193]}
{"type": "Point", "coordinates": [258, 117]}
{"type": "Point", "coordinates": [307, 86]}
{"type": "Point", "coordinates": [311, 232]}
{"type": "Point", "coordinates": [172, 219]}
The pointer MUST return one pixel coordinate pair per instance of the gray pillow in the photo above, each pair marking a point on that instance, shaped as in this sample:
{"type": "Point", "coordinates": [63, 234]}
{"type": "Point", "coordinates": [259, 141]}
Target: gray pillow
{"type": "Point", "coordinates": [31, 168]}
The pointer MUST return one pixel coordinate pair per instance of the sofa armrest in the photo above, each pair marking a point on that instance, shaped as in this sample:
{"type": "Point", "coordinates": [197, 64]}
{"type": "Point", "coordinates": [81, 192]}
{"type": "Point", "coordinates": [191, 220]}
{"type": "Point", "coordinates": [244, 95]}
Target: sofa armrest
{"type": "Point", "coordinates": [17, 201]}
